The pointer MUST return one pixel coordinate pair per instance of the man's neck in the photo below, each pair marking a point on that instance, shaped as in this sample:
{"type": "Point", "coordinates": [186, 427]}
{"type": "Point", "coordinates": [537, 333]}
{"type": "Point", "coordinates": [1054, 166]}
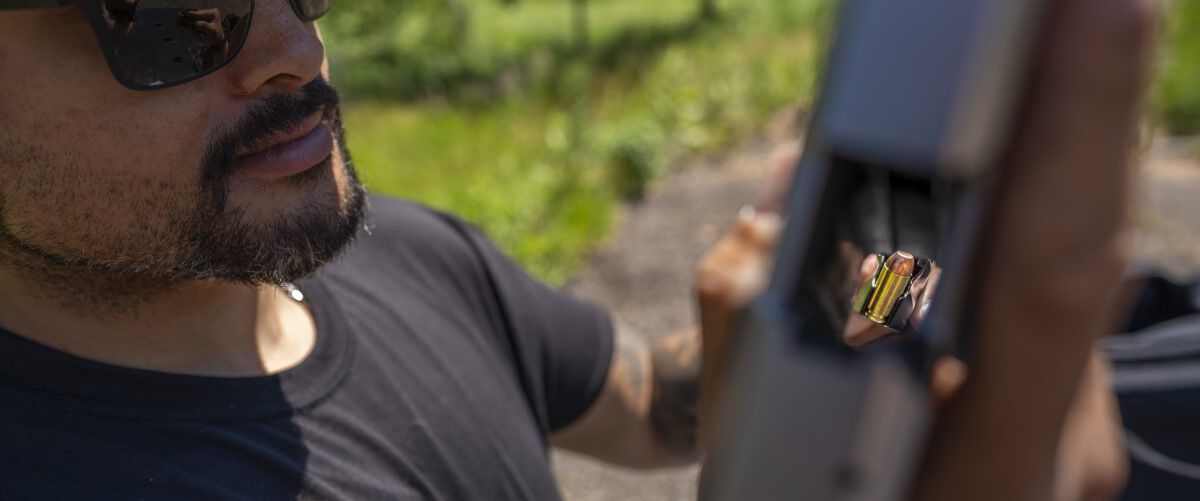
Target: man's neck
{"type": "Point", "coordinates": [209, 328]}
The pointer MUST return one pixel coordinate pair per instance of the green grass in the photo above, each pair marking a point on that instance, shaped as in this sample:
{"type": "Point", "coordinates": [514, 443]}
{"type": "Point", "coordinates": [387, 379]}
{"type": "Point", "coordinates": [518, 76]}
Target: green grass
{"type": "Point", "coordinates": [542, 158]}
{"type": "Point", "coordinates": [1178, 88]}
{"type": "Point", "coordinates": [547, 190]}
{"type": "Point", "coordinates": [492, 166]}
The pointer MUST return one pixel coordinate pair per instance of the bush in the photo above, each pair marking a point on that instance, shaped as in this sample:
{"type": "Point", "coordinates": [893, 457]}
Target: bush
{"type": "Point", "coordinates": [543, 165]}
{"type": "Point", "coordinates": [1178, 89]}
{"type": "Point", "coordinates": [414, 49]}
{"type": "Point", "coordinates": [634, 156]}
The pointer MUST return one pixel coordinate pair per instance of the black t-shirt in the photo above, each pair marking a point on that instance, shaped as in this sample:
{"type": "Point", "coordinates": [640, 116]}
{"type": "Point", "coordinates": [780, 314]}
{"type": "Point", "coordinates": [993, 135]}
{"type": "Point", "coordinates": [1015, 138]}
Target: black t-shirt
{"type": "Point", "coordinates": [439, 369]}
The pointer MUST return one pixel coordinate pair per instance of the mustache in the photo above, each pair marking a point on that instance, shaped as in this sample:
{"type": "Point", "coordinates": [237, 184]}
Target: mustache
{"type": "Point", "coordinates": [277, 113]}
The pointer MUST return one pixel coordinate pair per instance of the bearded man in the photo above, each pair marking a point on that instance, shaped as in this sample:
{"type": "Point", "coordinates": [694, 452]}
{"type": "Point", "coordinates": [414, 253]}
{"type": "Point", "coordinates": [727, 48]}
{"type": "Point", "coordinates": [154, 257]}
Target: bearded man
{"type": "Point", "coordinates": [199, 300]}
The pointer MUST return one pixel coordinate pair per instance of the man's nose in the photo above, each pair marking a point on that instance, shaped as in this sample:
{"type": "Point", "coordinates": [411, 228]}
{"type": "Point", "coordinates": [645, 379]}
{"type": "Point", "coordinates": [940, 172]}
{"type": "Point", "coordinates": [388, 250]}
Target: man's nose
{"type": "Point", "coordinates": [281, 52]}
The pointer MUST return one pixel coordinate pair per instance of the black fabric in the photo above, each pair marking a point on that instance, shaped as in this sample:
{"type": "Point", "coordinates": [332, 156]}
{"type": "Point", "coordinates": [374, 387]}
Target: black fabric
{"type": "Point", "coordinates": [1156, 376]}
{"type": "Point", "coordinates": [439, 370]}
{"type": "Point", "coordinates": [1162, 299]}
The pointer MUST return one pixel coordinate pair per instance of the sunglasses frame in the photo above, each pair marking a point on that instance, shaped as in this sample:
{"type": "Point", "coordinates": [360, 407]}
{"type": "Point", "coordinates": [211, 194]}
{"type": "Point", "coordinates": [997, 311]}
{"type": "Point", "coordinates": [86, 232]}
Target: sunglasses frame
{"type": "Point", "coordinates": [95, 17]}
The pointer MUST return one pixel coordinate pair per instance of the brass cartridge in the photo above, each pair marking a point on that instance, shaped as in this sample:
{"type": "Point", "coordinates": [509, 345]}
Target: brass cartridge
{"type": "Point", "coordinates": [890, 285]}
{"type": "Point", "coordinates": [864, 292]}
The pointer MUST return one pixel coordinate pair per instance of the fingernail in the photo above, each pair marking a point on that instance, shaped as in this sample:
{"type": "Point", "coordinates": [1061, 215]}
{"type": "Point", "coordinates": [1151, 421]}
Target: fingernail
{"type": "Point", "coordinates": [748, 212]}
{"type": "Point", "coordinates": [869, 265]}
{"type": "Point", "coordinates": [770, 218]}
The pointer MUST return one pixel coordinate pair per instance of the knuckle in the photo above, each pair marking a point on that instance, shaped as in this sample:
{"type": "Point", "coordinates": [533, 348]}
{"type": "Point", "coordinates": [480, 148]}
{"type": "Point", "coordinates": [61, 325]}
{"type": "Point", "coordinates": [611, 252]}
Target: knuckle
{"type": "Point", "coordinates": [715, 288]}
{"type": "Point", "coordinates": [759, 233]}
{"type": "Point", "coordinates": [711, 265]}
{"type": "Point", "coordinates": [730, 287]}
{"type": "Point", "coordinates": [744, 230]}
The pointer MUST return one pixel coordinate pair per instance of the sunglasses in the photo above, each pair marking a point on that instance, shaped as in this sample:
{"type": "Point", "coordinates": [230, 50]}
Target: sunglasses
{"type": "Point", "coordinates": [154, 44]}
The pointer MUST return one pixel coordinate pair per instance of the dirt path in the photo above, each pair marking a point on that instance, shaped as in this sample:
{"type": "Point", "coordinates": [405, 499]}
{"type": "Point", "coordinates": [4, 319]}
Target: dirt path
{"type": "Point", "coordinates": [1168, 209]}
{"type": "Point", "coordinates": [644, 273]}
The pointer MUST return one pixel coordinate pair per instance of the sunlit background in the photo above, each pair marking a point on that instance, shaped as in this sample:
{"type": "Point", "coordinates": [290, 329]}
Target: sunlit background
{"type": "Point", "coordinates": [535, 118]}
{"type": "Point", "coordinates": [581, 134]}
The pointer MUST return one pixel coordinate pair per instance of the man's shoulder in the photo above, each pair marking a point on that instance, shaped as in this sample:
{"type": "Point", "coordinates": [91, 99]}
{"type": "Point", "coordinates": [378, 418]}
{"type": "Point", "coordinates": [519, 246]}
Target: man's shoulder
{"type": "Point", "coordinates": [395, 218]}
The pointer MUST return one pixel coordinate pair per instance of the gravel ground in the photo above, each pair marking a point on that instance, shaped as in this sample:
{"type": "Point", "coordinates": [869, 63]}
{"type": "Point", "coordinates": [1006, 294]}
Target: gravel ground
{"type": "Point", "coordinates": [644, 274]}
{"type": "Point", "coordinates": [1168, 210]}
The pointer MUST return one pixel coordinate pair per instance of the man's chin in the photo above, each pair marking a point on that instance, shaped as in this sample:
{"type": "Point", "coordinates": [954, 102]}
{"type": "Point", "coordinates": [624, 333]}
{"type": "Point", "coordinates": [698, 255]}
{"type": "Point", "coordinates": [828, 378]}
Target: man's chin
{"type": "Point", "coordinates": [281, 231]}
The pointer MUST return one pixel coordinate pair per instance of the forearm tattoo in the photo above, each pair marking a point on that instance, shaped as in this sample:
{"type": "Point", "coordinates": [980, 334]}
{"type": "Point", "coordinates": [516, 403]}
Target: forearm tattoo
{"type": "Point", "coordinates": [675, 405]}
{"type": "Point", "coordinates": [632, 368]}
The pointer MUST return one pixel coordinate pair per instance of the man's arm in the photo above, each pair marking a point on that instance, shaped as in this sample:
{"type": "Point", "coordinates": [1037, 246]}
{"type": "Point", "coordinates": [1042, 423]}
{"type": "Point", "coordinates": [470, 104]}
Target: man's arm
{"type": "Point", "coordinates": [647, 413]}
{"type": "Point", "coordinates": [650, 412]}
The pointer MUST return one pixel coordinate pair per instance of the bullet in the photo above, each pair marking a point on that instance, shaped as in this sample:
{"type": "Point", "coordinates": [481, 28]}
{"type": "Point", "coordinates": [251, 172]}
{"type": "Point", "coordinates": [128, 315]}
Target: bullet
{"type": "Point", "coordinates": [902, 263]}
{"type": "Point", "coordinates": [890, 285]}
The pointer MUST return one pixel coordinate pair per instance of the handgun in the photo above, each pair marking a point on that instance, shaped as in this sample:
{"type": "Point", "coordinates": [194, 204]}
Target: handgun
{"type": "Point", "coordinates": [905, 146]}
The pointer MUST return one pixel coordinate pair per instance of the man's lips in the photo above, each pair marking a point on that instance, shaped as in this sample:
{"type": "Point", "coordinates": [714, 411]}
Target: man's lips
{"type": "Point", "coordinates": [288, 154]}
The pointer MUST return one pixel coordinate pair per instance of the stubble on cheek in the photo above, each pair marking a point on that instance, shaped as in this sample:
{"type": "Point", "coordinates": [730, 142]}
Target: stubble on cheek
{"type": "Point", "coordinates": [83, 210]}
{"type": "Point", "coordinates": [66, 224]}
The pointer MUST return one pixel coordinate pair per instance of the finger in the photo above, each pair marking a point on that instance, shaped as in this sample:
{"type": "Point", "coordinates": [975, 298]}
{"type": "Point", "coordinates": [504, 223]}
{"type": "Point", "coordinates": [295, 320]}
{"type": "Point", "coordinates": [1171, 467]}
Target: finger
{"type": "Point", "coordinates": [1064, 206]}
{"type": "Point", "coordinates": [861, 331]}
{"type": "Point", "coordinates": [734, 272]}
{"type": "Point", "coordinates": [772, 193]}
{"type": "Point", "coordinates": [1054, 251]}
{"type": "Point", "coordinates": [947, 378]}
{"type": "Point", "coordinates": [1093, 458]}
{"type": "Point", "coordinates": [1053, 257]}
{"type": "Point", "coordinates": [924, 292]}
{"type": "Point", "coordinates": [1067, 194]}
{"type": "Point", "coordinates": [759, 230]}
{"type": "Point", "coordinates": [738, 267]}
{"type": "Point", "coordinates": [868, 267]}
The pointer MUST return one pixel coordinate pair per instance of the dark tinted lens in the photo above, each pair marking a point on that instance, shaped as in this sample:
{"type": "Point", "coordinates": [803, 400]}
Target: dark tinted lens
{"type": "Point", "coordinates": [312, 9]}
{"type": "Point", "coordinates": [160, 42]}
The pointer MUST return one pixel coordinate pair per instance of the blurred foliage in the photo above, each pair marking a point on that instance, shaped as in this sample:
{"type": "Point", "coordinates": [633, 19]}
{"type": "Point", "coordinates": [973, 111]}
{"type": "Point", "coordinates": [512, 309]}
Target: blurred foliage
{"type": "Point", "coordinates": [407, 49]}
{"type": "Point", "coordinates": [496, 110]}
{"type": "Point", "coordinates": [1178, 88]}
{"type": "Point", "coordinates": [544, 141]}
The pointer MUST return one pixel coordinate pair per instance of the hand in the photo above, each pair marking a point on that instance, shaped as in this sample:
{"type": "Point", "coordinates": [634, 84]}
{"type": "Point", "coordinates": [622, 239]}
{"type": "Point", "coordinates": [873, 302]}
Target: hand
{"type": "Point", "coordinates": [860, 330]}
{"type": "Point", "coordinates": [734, 273]}
{"type": "Point", "coordinates": [207, 23]}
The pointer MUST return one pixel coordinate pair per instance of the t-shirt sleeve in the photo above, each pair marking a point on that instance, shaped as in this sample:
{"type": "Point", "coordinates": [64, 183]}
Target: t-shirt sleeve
{"type": "Point", "coordinates": [562, 346]}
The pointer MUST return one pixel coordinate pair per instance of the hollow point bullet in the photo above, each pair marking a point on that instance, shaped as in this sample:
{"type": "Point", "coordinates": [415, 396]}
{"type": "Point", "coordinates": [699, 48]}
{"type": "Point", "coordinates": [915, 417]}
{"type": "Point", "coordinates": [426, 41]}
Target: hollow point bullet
{"type": "Point", "coordinates": [892, 282]}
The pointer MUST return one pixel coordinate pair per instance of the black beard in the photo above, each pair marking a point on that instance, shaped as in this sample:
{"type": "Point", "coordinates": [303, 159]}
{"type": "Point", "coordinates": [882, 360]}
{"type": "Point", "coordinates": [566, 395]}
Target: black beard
{"type": "Point", "coordinates": [217, 241]}
{"type": "Point", "coordinates": [226, 246]}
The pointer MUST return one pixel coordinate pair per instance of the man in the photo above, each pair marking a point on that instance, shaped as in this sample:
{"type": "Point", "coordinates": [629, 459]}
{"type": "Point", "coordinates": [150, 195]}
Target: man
{"type": "Point", "coordinates": [176, 325]}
